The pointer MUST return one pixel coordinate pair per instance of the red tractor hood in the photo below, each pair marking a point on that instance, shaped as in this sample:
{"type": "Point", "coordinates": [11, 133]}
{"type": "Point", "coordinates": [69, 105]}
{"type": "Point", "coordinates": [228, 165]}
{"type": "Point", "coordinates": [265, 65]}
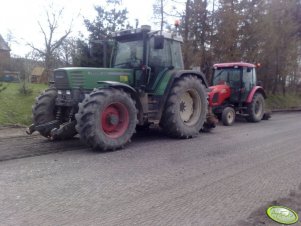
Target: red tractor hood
{"type": "Point", "coordinates": [218, 94]}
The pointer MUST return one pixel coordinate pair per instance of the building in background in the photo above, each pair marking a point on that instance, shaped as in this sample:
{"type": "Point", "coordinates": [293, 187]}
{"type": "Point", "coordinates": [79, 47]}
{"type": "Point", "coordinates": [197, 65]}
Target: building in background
{"type": "Point", "coordinates": [4, 56]}
{"type": "Point", "coordinates": [38, 75]}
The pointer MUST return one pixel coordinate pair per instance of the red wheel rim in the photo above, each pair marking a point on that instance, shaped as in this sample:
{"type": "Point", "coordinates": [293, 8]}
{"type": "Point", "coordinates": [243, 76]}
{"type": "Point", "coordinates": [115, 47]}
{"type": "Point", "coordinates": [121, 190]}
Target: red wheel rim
{"type": "Point", "coordinates": [115, 120]}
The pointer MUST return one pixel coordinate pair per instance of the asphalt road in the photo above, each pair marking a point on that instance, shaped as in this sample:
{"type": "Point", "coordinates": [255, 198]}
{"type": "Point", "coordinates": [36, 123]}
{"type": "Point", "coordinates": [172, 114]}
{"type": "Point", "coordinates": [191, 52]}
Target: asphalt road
{"type": "Point", "coordinates": [226, 177]}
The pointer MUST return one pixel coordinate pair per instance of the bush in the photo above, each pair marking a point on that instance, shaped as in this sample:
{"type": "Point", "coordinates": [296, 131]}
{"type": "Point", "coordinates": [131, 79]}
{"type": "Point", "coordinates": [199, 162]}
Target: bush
{"type": "Point", "coordinates": [278, 101]}
{"type": "Point", "coordinates": [2, 87]}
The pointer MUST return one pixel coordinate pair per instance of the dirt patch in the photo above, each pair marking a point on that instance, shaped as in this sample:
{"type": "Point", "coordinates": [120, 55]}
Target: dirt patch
{"type": "Point", "coordinates": [12, 131]}
{"type": "Point", "coordinates": [259, 217]}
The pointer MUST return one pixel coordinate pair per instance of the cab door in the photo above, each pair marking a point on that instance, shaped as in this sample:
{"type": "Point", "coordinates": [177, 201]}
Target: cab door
{"type": "Point", "coordinates": [248, 82]}
{"type": "Point", "coordinates": [234, 81]}
{"type": "Point", "coordinates": [158, 61]}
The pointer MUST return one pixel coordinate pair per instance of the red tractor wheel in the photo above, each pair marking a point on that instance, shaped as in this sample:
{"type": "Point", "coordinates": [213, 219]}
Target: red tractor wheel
{"type": "Point", "coordinates": [256, 108]}
{"type": "Point", "coordinates": [228, 116]}
{"type": "Point", "coordinates": [115, 120]}
{"type": "Point", "coordinates": [106, 119]}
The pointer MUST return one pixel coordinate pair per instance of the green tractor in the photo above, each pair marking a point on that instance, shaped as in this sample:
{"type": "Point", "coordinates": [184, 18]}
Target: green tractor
{"type": "Point", "coordinates": [145, 85]}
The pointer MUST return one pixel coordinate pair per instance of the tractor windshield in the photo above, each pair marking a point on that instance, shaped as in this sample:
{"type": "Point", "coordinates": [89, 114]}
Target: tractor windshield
{"type": "Point", "coordinates": [128, 54]}
{"type": "Point", "coordinates": [230, 76]}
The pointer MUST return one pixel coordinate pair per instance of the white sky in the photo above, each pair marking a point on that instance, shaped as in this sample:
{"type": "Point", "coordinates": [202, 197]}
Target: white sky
{"type": "Point", "coordinates": [20, 17]}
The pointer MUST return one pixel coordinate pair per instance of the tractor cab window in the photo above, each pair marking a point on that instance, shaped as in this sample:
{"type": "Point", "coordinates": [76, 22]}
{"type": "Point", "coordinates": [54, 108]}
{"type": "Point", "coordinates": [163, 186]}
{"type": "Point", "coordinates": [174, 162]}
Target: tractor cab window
{"type": "Point", "coordinates": [128, 54]}
{"type": "Point", "coordinates": [248, 79]}
{"type": "Point", "coordinates": [159, 58]}
{"type": "Point", "coordinates": [176, 54]}
{"type": "Point", "coordinates": [230, 76]}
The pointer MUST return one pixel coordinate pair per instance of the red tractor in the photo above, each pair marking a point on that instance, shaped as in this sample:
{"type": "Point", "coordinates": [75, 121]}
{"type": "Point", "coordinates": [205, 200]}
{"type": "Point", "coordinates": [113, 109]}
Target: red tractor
{"type": "Point", "coordinates": [235, 91]}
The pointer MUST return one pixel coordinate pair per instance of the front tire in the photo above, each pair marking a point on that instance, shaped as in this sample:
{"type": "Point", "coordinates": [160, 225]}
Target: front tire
{"type": "Point", "coordinates": [106, 119]}
{"type": "Point", "coordinates": [186, 107]}
{"type": "Point", "coordinates": [228, 116]}
{"type": "Point", "coordinates": [256, 108]}
{"type": "Point", "coordinates": [43, 110]}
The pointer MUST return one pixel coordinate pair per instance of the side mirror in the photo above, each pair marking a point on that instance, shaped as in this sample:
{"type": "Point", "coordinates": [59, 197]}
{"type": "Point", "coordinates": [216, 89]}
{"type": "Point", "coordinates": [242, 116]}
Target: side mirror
{"type": "Point", "coordinates": [159, 42]}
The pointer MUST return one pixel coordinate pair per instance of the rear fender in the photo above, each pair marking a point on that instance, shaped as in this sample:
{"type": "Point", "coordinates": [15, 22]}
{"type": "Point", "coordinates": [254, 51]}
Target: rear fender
{"type": "Point", "coordinates": [181, 73]}
{"type": "Point", "coordinates": [256, 89]}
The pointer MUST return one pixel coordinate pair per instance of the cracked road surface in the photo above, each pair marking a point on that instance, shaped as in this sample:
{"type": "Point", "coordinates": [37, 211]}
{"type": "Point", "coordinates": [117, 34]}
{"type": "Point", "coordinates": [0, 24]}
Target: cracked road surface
{"type": "Point", "coordinates": [218, 178]}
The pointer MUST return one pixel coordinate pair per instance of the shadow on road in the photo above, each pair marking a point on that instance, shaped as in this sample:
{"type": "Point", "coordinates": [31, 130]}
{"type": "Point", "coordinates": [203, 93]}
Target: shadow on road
{"type": "Point", "coordinates": [29, 146]}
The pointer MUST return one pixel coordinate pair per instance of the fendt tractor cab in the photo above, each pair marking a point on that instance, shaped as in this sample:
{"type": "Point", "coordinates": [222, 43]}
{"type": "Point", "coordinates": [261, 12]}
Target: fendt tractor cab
{"type": "Point", "coordinates": [235, 91]}
{"type": "Point", "coordinates": [145, 85]}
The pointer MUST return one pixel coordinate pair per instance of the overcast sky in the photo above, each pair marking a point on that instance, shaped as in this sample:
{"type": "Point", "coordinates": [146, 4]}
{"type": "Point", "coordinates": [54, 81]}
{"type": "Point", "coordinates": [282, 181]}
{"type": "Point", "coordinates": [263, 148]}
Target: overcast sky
{"type": "Point", "coordinates": [20, 17]}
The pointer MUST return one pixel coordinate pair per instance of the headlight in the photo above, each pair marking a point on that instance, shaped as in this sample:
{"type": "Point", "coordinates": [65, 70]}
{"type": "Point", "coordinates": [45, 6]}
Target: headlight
{"type": "Point", "coordinates": [59, 92]}
{"type": "Point", "coordinates": [68, 92]}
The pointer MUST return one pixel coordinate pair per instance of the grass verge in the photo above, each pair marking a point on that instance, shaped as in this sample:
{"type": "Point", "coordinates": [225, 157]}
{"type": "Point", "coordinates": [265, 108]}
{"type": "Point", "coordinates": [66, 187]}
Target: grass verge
{"type": "Point", "coordinates": [278, 101]}
{"type": "Point", "coordinates": [15, 108]}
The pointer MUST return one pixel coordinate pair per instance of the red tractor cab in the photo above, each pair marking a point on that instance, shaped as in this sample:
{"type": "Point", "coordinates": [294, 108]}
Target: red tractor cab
{"type": "Point", "coordinates": [235, 91]}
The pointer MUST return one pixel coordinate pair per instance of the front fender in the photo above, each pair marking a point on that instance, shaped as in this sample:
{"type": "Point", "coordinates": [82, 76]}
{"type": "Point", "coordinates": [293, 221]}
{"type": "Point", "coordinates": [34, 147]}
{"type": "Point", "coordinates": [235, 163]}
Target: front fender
{"type": "Point", "coordinates": [114, 84]}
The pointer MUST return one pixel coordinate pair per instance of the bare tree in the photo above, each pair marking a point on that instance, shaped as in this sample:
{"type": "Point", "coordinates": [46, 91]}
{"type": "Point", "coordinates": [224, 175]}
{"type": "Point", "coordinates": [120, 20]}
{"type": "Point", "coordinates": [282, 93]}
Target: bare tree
{"type": "Point", "coordinates": [50, 31]}
{"type": "Point", "coordinates": [66, 52]}
{"type": "Point", "coordinates": [165, 10]}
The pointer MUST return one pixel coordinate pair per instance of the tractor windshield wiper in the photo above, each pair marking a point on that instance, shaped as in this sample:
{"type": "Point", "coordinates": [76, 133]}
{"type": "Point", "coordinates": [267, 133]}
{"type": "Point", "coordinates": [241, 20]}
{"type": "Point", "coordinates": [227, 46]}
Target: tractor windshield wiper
{"type": "Point", "coordinates": [123, 63]}
{"type": "Point", "coordinates": [217, 76]}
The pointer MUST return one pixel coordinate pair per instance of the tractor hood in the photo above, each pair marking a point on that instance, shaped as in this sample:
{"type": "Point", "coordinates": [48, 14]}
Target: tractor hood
{"type": "Point", "coordinates": [218, 94]}
{"type": "Point", "coordinates": [87, 78]}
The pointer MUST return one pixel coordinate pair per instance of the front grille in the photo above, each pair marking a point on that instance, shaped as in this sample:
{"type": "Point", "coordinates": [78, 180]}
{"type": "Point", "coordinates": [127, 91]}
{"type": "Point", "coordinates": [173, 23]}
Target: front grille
{"type": "Point", "coordinates": [61, 80]}
{"type": "Point", "coordinates": [77, 79]}
{"type": "Point", "coordinates": [215, 98]}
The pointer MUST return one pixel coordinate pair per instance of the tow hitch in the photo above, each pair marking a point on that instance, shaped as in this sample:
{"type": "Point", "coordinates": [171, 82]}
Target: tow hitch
{"type": "Point", "coordinates": [48, 126]}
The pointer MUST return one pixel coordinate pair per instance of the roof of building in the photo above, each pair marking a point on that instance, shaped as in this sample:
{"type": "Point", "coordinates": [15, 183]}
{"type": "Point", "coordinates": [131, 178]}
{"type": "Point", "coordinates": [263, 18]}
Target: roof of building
{"type": "Point", "coordinates": [3, 44]}
{"type": "Point", "coordinates": [38, 71]}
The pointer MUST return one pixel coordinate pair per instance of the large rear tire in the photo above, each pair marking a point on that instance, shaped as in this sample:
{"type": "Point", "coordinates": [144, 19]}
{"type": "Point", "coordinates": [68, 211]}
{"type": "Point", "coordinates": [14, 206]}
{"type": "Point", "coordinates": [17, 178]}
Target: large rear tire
{"type": "Point", "coordinates": [256, 108]}
{"type": "Point", "coordinates": [43, 110]}
{"type": "Point", "coordinates": [186, 107]}
{"type": "Point", "coordinates": [106, 119]}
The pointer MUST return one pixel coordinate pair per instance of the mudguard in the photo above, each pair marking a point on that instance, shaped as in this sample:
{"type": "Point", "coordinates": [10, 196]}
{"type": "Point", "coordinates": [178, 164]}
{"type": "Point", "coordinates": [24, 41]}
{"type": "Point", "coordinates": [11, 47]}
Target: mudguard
{"type": "Point", "coordinates": [199, 74]}
{"type": "Point", "coordinates": [253, 91]}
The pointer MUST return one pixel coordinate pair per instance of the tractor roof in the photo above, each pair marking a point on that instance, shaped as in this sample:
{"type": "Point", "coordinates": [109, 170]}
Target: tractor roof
{"type": "Point", "coordinates": [132, 33]}
{"type": "Point", "coordinates": [233, 64]}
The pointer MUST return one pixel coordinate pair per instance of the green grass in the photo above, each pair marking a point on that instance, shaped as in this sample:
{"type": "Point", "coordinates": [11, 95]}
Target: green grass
{"type": "Point", "coordinates": [15, 108]}
{"type": "Point", "coordinates": [288, 101]}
